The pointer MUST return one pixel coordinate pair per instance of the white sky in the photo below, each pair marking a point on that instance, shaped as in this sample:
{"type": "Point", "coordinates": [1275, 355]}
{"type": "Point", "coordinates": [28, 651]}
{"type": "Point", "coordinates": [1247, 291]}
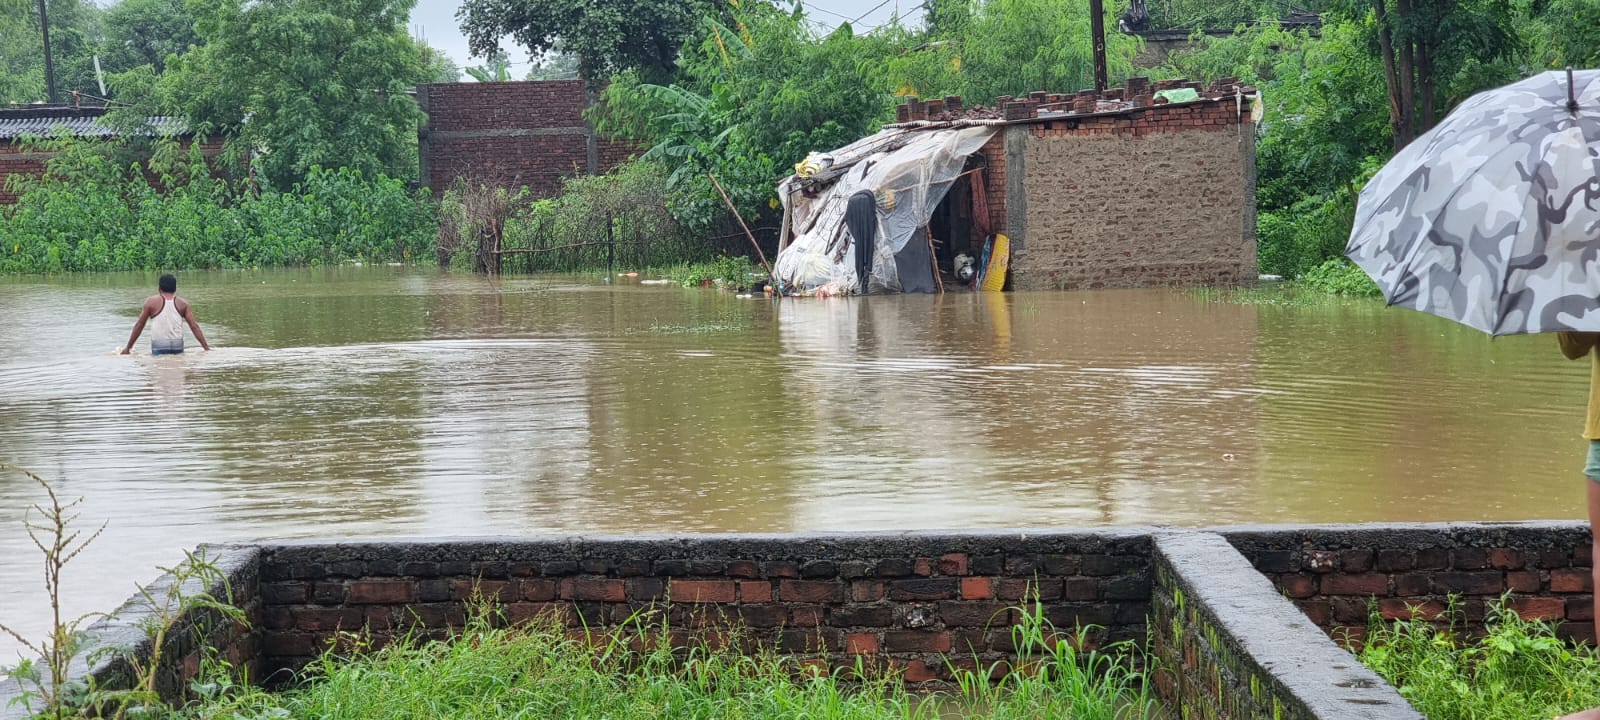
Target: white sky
{"type": "Point", "coordinates": [435, 20]}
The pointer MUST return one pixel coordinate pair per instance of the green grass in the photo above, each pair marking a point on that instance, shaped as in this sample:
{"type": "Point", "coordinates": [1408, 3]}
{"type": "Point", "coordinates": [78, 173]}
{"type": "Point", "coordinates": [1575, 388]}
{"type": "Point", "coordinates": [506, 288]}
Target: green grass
{"type": "Point", "coordinates": [1276, 294]}
{"type": "Point", "coordinates": [540, 671]}
{"type": "Point", "coordinates": [726, 271]}
{"type": "Point", "coordinates": [1519, 670]}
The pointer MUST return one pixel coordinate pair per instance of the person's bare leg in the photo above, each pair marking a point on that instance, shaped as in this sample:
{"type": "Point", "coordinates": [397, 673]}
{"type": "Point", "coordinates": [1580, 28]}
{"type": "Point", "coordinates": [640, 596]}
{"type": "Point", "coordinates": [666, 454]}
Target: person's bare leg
{"type": "Point", "coordinates": [1594, 572]}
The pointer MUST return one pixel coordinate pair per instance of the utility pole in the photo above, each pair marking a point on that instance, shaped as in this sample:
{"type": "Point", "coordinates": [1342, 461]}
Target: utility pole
{"type": "Point", "coordinates": [1097, 24]}
{"type": "Point", "coordinates": [49, 67]}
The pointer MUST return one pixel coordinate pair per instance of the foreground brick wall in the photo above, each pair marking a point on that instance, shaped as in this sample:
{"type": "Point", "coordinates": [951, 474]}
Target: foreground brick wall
{"type": "Point", "coordinates": [1223, 608]}
{"type": "Point", "coordinates": [1159, 196]}
{"type": "Point", "coordinates": [905, 603]}
{"type": "Point", "coordinates": [509, 134]}
{"type": "Point", "coordinates": [1335, 575]}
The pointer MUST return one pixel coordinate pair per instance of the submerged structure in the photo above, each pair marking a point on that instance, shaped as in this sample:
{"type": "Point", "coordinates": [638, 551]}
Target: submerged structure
{"type": "Point", "coordinates": [1137, 186]}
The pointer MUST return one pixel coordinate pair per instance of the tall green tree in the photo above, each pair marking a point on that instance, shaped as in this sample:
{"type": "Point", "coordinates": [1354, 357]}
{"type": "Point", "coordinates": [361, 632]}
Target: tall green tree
{"type": "Point", "coordinates": [755, 94]}
{"type": "Point", "coordinates": [1433, 49]}
{"type": "Point", "coordinates": [74, 38]}
{"type": "Point", "coordinates": [1008, 47]}
{"type": "Point", "coordinates": [145, 32]}
{"type": "Point", "coordinates": [305, 83]}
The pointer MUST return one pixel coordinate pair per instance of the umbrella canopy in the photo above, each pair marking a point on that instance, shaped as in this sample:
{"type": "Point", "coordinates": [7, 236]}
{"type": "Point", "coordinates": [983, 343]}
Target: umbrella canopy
{"type": "Point", "coordinates": [1492, 218]}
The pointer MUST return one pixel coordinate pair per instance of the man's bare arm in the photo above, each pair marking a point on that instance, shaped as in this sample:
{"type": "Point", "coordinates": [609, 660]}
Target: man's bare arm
{"type": "Point", "coordinates": [1575, 345]}
{"type": "Point", "coordinates": [195, 328]}
{"type": "Point", "coordinates": [138, 327]}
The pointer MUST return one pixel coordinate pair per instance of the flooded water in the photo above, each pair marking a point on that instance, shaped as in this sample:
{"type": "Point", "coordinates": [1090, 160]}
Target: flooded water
{"type": "Point", "coordinates": [386, 401]}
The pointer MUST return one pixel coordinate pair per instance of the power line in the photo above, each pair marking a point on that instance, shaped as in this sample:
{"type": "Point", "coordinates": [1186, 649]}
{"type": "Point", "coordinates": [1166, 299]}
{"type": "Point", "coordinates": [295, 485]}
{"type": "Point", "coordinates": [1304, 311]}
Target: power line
{"type": "Point", "coordinates": [869, 12]}
{"type": "Point", "coordinates": [830, 12]}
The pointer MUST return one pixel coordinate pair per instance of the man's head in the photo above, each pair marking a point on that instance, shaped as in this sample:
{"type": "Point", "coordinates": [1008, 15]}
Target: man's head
{"type": "Point", "coordinates": [168, 283]}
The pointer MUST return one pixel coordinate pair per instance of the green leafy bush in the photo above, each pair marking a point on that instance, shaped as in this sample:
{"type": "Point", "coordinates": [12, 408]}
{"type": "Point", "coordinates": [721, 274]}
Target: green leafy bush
{"type": "Point", "coordinates": [735, 271]}
{"type": "Point", "coordinates": [620, 219]}
{"type": "Point", "coordinates": [94, 211]}
{"type": "Point", "coordinates": [1519, 670]}
{"type": "Point", "coordinates": [1340, 277]}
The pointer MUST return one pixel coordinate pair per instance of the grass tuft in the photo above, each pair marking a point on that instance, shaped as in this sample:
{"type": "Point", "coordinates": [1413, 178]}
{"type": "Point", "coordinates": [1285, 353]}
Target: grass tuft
{"type": "Point", "coordinates": [542, 670]}
{"type": "Point", "coordinates": [1520, 669]}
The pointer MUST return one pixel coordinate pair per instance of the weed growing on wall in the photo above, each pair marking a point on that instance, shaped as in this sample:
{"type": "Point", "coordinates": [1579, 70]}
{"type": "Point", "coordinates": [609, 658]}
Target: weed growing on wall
{"type": "Point", "coordinates": [48, 689]}
{"type": "Point", "coordinates": [52, 527]}
{"type": "Point", "coordinates": [1520, 669]}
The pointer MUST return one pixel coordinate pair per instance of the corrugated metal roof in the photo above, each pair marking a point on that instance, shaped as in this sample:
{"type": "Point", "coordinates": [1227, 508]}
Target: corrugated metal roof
{"type": "Point", "coordinates": [80, 125]}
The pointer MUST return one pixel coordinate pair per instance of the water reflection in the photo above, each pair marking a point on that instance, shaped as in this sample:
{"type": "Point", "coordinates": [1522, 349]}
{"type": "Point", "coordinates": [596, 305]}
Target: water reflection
{"type": "Point", "coordinates": [390, 401]}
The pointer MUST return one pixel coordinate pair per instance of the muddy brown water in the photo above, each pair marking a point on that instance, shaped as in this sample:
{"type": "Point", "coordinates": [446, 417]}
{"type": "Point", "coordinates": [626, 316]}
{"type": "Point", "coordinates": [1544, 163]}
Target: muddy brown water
{"type": "Point", "coordinates": [390, 401]}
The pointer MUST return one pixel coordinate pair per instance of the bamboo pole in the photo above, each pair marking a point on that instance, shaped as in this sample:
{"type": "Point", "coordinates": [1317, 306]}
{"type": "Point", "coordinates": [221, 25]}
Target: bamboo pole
{"type": "Point", "coordinates": [777, 286]}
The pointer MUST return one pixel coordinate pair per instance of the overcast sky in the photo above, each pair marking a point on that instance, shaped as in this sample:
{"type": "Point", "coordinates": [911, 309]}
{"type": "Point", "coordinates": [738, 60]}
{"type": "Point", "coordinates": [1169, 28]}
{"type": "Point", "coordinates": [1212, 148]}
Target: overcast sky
{"type": "Point", "coordinates": [435, 20]}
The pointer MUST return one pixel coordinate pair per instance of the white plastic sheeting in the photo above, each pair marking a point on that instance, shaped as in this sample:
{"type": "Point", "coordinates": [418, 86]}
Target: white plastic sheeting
{"type": "Point", "coordinates": [908, 171]}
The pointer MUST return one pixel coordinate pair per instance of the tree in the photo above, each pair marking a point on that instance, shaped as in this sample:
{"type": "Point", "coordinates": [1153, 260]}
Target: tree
{"type": "Point", "coordinates": [1009, 47]}
{"type": "Point", "coordinates": [946, 18]}
{"type": "Point", "coordinates": [554, 66]}
{"type": "Point", "coordinates": [607, 36]}
{"type": "Point", "coordinates": [437, 66]}
{"type": "Point", "coordinates": [754, 96]}
{"type": "Point", "coordinates": [74, 36]}
{"type": "Point", "coordinates": [145, 32]}
{"type": "Point", "coordinates": [497, 69]}
{"type": "Point", "coordinates": [1424, 44]}
{"type": "Point", "coordinates": [305, 83]}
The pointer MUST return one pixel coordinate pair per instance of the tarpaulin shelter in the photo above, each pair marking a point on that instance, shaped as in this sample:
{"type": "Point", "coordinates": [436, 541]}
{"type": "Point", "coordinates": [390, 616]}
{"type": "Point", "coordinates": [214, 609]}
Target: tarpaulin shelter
{"type": "Point", "coordinates": [865, 207]}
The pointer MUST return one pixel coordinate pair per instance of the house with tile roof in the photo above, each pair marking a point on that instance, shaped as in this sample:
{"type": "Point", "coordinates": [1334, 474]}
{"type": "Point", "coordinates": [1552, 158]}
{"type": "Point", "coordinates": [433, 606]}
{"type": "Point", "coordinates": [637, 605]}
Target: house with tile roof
{"type": "Point", "coordinates": [19, 125]}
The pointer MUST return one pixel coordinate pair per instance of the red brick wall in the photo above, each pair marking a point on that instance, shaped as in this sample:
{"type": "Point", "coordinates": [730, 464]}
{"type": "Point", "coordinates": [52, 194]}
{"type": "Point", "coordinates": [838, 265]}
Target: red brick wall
{"type": "Point", "coordinates": [912, 602]}
{"type": "Point", "coordinates": [15, 161]}
{"type": "Point", "coordinates": [509, 134]}
{"type": "Point", "coordinates": [1335, 575]}
{"type": "Point", "coordinates": [994, 155]}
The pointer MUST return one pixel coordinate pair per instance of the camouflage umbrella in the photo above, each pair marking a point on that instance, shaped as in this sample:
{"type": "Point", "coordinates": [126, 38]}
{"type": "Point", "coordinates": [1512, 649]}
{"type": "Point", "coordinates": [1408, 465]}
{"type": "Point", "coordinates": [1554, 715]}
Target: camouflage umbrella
{"type": "Point", "coordinates": [1492, 218]}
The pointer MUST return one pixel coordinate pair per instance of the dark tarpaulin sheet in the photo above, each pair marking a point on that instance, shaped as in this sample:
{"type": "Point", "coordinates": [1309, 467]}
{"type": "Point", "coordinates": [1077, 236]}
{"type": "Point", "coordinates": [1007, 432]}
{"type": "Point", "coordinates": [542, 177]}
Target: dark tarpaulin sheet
{"type": "Point", "coordinates": [914, 263]}
{"type": "Point", "coordinates": [861, 219]}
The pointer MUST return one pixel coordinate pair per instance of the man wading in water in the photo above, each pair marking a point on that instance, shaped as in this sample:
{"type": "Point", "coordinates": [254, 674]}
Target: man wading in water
{"type": "Point", "coordinates": [167, 314]}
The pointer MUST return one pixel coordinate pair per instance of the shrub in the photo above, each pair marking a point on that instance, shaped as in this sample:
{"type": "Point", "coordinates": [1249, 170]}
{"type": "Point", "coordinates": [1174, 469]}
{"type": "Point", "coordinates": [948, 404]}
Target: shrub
{"type": "Point", "coordinates": [1519, 669]}
{"type": "Point", "coordinates": [1340, 277]}
{"type": "Point", "coordinates": [92, 212]}
{"type": "Point", "coordinates": [620, 218]}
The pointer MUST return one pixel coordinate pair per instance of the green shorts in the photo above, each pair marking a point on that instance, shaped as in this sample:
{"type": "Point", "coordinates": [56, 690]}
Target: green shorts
{"type": "Point", "coordinates": [1591, 468]}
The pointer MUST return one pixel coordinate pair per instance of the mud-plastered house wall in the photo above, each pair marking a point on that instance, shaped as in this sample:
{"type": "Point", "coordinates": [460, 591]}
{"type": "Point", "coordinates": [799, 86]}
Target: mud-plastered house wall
{"type": "Point", "coordinates": [1156, 196]}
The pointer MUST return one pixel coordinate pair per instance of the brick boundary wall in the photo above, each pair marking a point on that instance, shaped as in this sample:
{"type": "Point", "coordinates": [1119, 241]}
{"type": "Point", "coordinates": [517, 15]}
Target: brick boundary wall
{"type": "Point", "coordinates": [908, 601]}
{"type": "Point", "coordinates": [1334, 573]}
{"type": "Point", "coordinates": [1224, 605]}
{"type": "Point", "coordinates": [1230, 646]}
{"type": "Point", "coordinates": [508, 134]}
